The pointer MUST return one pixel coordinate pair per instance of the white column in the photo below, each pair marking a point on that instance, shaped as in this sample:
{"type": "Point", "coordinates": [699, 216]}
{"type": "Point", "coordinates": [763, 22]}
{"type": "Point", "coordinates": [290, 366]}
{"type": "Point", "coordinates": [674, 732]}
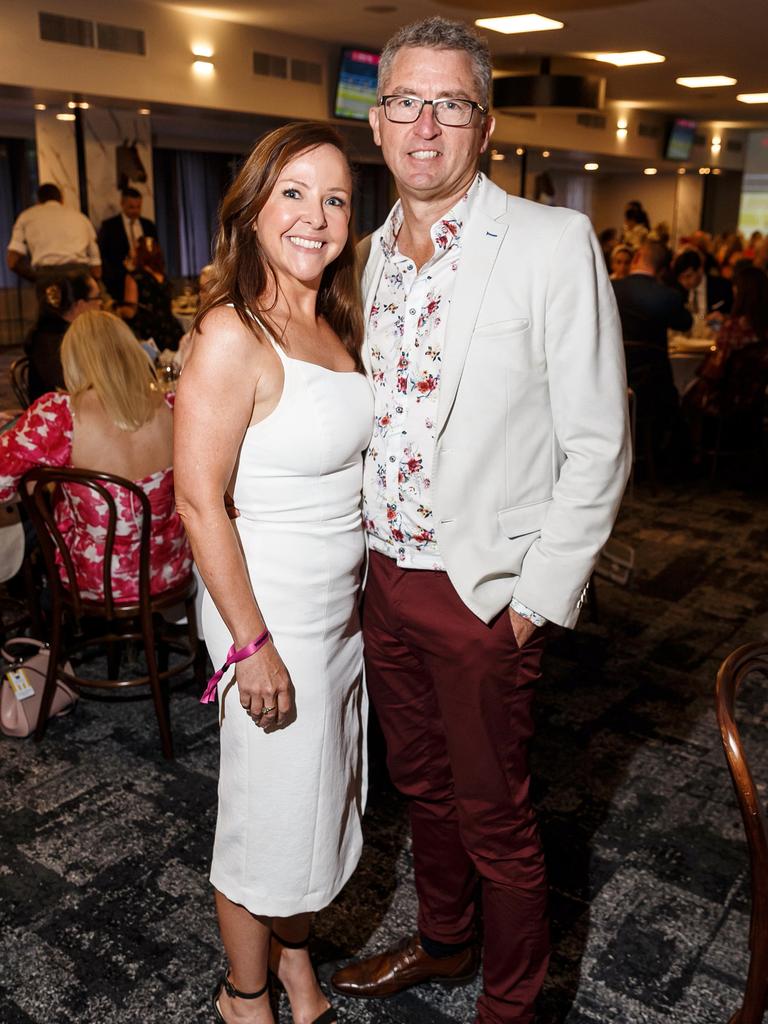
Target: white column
{"type": "Point", "coordinates": [57, 155]}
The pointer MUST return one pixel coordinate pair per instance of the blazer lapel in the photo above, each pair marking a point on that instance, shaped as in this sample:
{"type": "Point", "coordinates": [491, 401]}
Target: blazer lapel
{"type": "Point", "coordinates": [479, 251]}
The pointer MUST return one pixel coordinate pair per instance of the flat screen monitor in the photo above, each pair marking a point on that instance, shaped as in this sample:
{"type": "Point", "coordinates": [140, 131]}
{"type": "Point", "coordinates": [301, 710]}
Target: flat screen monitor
{"type": "Point", "coordinates": [680, 139]}
{"type": "Point", "coordinates": [356, 84]}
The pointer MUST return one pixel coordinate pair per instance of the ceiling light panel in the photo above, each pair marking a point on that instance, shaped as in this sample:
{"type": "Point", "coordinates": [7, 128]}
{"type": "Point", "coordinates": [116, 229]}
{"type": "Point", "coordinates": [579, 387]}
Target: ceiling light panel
{"type": "Point", "coordinates": [519, 23]}
{"type": "Point", "coordinates": [706, 81]}
{"type": "Point", "coordinates": [629, 58]}
{"type": "Point", "coordinates": [752, 97]}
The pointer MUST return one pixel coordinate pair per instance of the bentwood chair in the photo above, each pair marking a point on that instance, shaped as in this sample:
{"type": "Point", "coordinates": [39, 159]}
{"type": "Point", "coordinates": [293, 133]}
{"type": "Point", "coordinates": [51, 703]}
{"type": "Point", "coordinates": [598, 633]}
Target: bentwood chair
{"type": "Point", "coordinates": [18, 375]}
{"type": "Point", "coordinates": [744, 661]}
{"type": "Point", "coordinates": [140, 620]}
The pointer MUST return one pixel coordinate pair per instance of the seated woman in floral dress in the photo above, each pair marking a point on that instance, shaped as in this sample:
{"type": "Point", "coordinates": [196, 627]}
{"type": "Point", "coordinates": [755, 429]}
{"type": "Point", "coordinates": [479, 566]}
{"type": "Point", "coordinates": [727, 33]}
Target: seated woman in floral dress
{"type": "Point", "coordinates": [114, 419]}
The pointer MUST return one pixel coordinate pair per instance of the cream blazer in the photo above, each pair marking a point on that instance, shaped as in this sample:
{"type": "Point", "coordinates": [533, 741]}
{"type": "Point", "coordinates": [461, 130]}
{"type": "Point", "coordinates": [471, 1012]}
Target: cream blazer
{"type": "Point", "coordinates": [532, 451]}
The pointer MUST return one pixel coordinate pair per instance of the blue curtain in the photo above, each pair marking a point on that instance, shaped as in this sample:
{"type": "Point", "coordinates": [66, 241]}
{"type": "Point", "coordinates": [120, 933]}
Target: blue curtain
{"type": "Point", "coordinates": [188, 189]}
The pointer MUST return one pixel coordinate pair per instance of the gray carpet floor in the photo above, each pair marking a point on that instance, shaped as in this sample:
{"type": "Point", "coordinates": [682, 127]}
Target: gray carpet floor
{"type": "Point", "coordinates": [106, 913]}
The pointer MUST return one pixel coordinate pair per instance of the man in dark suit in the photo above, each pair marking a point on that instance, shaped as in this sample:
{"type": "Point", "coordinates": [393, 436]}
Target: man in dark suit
{"type": "Point", "coordinates": [648, 309]}
{"type": "Point", "coordinates": [118, 238]}
{"type": "Point", "coordinates": [703, 293]}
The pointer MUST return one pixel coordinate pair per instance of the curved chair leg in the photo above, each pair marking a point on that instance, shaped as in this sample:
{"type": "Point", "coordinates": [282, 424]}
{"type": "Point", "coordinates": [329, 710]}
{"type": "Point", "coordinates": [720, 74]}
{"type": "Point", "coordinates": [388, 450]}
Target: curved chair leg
{"type": "Point", "coordinates": [53, 666]}
{"type": "Point", "coordinates": [159, 692]}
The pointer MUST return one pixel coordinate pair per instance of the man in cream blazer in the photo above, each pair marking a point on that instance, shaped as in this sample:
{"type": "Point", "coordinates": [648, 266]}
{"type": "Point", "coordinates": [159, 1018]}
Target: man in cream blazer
{"type": "Point", "coordinates": [497, 466]}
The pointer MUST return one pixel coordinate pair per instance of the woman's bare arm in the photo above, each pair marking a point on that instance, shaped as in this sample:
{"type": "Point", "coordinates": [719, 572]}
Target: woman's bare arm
{"type": "Point", "coordinates": [127, 308]}
{"type": "Point", "coordinates": [214, 406]}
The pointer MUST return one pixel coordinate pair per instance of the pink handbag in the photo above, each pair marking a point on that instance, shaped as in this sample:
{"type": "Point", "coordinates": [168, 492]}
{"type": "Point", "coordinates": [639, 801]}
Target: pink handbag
{"type": "Point", "coordinates": [21, 690]}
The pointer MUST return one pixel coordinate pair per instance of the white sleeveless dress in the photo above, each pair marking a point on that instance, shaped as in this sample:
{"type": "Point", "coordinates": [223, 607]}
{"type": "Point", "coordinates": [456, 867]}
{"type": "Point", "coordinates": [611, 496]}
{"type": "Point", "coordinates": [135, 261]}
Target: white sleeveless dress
{"type": "Point", "coordinates": [288, 833]}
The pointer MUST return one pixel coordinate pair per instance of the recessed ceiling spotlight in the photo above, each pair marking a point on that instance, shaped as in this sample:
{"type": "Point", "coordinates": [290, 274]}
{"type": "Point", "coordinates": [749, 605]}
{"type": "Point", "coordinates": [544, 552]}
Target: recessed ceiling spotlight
{"type": "Point", "coordinates": [591, 167]}
{"type": "Point", "coordinates": [84, 106]}
{"type": "Point", "coordinates": [681, 170]}
{"type": "Point", "coordinates": [144, 110]}
{"type": "Point", "coordinates": [716, 170]}
{"type": "Point", "coordinates": [40, 106]}
{"type": "Point", "coordinates": [650, 170]}
{"type": "Point", "coordinates": [545, 153]}
{"type": "Point", "coordinates": [519, 151]}
{"type": "Point", "coordinates": [66, 117]}
{"type": "Point", "coordinates": [519, 23]}
{"type": "Point", "coordinates": [752, 97]}
{"type": "Point", "coordinates": [629, 57]}
{"type": "Point", "coordinates": [705, 81]}
{"type": "Point", "coordinates": [496, 155]}
{"type": "Point", "coordinates": [704, 170]}
{"type": "Point", "coordinates": [72, 105]}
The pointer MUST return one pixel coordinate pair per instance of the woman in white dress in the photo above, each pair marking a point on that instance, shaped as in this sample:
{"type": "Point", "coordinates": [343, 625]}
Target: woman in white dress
{"type": "Point", "coordinates": [274, 407]}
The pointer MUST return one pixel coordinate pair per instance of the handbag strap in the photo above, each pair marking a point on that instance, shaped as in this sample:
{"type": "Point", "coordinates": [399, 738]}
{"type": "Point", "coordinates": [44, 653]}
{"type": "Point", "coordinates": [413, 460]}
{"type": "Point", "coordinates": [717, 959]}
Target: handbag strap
{"type": "Point", "coordinates": [19, 641]}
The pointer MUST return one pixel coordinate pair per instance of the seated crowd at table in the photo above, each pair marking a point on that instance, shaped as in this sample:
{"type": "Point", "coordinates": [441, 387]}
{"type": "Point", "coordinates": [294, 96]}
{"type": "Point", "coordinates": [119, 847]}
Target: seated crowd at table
{"type": "Point", "coordinates": [695, 329]}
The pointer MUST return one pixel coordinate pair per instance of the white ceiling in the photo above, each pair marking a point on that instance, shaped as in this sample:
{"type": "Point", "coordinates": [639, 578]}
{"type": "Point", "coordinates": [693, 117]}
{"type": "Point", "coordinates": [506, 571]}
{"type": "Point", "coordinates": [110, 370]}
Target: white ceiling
{"type": "Point", "coordinates": [697, 37]}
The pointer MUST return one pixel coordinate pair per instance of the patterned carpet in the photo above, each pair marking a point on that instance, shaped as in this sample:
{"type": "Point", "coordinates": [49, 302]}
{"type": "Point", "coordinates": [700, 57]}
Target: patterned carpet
{"type": "Point", "coordinates": [105, 908]}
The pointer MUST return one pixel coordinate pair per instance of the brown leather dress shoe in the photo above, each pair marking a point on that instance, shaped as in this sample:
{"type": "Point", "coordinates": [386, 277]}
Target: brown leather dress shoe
{"type": "Point", "coordinates": [407, 964]}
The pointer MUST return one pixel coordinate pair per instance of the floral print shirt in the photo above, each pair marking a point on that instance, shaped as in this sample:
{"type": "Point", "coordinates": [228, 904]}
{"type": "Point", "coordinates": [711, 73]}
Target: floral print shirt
{"type": "Point", "coordinates": [43, 437]}
{"type": "Point", "coordinates": [405, 333]}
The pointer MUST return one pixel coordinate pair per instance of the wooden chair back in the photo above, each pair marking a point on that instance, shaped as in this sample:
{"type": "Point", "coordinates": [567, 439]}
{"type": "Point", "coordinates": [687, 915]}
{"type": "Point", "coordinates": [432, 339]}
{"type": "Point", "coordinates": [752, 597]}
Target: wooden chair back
{"type": "Point", "coordinates": [42, 488]}
{"type": "Point", "coordinates": [742, 662]}
{"type": "Point", "coordinates": [18, 375]}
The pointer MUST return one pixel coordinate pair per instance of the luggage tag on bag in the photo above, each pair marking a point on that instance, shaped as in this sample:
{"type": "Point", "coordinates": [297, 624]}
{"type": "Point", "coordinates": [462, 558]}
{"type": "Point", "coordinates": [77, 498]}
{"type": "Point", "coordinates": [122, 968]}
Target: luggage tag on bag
{"type": "Point", "coordinates": [21, 688]}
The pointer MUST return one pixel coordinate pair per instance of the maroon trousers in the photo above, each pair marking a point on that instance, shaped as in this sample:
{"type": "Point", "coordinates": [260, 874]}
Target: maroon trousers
{"type": "Point", "coordinates": [454, 698]}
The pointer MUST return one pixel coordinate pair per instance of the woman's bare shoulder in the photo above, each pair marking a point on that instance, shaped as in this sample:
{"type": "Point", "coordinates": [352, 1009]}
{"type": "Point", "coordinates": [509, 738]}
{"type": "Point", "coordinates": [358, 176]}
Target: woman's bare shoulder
{"type": "Point", "coordinates": [222, 331]}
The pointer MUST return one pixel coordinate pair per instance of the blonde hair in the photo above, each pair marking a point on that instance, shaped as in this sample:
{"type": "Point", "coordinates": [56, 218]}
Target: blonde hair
{"type": "Point", "coordinates": [99, 351]}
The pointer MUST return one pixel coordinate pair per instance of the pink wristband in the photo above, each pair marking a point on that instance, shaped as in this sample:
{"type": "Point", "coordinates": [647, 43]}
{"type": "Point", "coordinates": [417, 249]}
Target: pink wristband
{"type": "Point", "coordinates": [232, 657]}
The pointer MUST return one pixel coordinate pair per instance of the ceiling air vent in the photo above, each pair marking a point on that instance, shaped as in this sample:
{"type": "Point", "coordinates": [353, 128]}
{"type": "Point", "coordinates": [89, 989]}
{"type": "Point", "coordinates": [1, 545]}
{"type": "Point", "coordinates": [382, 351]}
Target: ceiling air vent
{"type": "Point", "coordinates": [55, 28]}
{"type": "Point", "coordinates": [270, 64]}
{"type": "Point", "coordinates": [120, 39]}
{"type": "Point", "coordinates": [648, 131]}
{"type": "Point", "coordinates": [591, 121]}
{"type": "Point", "coordinates": [306, 71]}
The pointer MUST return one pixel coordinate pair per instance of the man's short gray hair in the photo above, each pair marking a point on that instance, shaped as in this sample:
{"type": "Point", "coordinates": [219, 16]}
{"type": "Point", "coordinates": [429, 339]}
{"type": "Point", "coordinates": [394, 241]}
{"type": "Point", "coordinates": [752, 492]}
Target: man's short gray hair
{"type": "Point", "coordinates": [441, 34]}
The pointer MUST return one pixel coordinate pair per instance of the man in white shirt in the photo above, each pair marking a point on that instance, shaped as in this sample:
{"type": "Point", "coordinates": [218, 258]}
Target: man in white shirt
{"type": "Point", "coordinates": [498, 461]}
{"type": "Point", "coordinates": [52, 238]}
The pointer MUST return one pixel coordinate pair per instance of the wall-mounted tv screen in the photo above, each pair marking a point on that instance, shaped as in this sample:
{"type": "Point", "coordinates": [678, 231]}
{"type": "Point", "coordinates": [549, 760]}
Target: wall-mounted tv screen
{"type": "Point", "coordinates": [356, 84]}
{"type": "Point", "coordinates": [680, 139]}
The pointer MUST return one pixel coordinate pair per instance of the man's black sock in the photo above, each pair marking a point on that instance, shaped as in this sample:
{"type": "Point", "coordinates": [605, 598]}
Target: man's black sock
{"type": "Point", "coordinates": [439, 950]}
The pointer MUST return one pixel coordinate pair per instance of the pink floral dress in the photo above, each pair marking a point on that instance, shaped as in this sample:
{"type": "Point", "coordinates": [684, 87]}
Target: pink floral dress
{"type": "Point", "coordinates": [43, 437]}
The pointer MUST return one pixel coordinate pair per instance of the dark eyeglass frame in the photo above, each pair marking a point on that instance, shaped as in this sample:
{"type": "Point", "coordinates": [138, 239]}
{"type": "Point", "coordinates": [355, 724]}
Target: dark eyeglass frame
{"type": "Point", "coordinates": [435, 108]}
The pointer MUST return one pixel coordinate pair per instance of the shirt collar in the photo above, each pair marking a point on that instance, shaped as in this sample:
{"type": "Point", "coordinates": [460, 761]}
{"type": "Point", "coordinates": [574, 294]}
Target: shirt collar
{"type": "Point", "coordinates": [446, 232]}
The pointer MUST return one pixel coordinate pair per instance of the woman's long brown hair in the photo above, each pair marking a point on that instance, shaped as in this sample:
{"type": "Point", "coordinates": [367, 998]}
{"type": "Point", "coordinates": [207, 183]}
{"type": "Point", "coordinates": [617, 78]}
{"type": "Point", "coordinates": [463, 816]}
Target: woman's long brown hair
{"type": "Point", "coordinates": [241, 272]}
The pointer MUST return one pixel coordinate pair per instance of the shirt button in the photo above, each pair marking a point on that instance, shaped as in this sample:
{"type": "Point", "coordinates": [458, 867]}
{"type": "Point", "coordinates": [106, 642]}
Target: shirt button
{"type": "Point", "coordinates": [412, 312]}
{"type": "Point", "coordinates": [391, 458]}
{"type": "Point", "coordinates": [399, 408]}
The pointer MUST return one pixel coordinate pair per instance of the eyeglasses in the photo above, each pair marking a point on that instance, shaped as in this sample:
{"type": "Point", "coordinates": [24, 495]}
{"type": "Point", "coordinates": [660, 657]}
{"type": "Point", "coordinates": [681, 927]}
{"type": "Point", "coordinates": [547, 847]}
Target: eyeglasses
{"type": "Point", "coordinates": [449, 112]}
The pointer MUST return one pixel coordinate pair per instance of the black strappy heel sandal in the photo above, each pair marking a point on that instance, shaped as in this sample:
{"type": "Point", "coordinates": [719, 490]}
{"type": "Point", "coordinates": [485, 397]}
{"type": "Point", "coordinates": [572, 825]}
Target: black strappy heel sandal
{"type": "Point", "coordinates": [235, 993]}
{"type": "Point", "coordinates": [327, 1016]}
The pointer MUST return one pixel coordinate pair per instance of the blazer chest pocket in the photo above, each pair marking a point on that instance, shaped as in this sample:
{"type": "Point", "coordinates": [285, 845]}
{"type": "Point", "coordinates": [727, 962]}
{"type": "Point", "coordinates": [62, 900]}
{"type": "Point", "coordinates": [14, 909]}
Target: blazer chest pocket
{"type": "Point", "coordinates": [502, 329]}
{"type": "Point", "coordinates": [516, 522]}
